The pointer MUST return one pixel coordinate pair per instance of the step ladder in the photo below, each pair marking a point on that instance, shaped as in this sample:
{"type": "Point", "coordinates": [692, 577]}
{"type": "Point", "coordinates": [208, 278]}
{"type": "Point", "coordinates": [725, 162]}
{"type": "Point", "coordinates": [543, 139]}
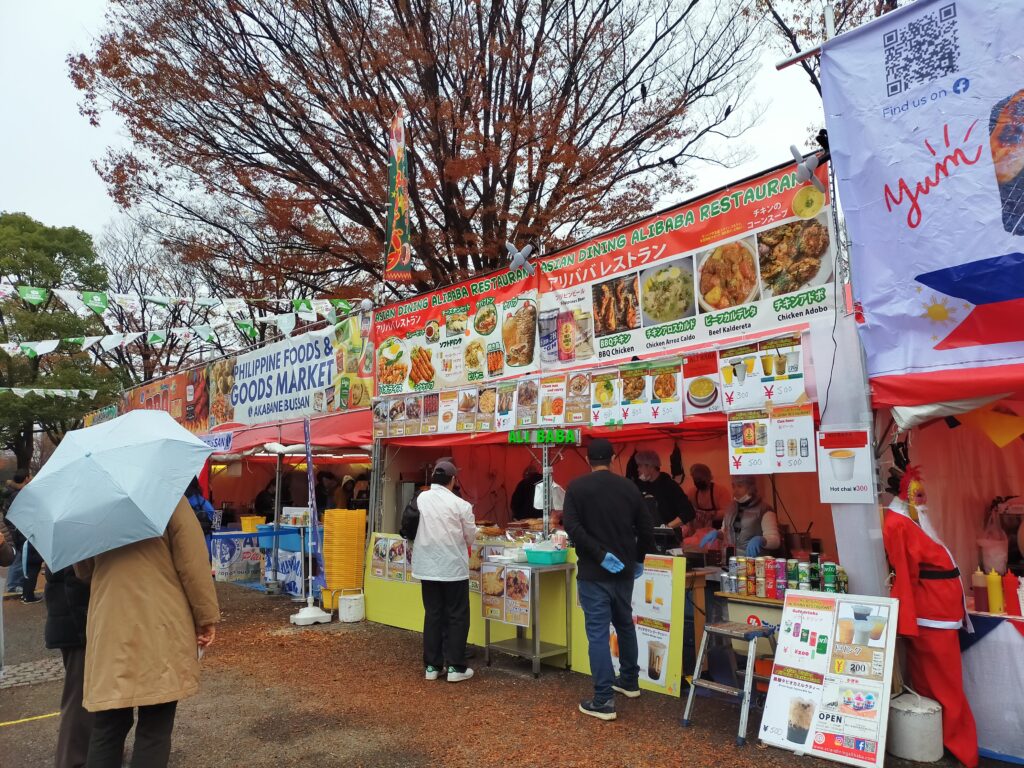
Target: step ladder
{"type": "Point", "coordinates": [729, 631]}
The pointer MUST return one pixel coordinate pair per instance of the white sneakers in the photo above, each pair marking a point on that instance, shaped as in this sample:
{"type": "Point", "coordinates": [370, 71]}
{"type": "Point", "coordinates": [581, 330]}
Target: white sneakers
{"type": "Point", "coordinates": [432, 673]}
{"type": "Point", "coordinates": [458, 677]}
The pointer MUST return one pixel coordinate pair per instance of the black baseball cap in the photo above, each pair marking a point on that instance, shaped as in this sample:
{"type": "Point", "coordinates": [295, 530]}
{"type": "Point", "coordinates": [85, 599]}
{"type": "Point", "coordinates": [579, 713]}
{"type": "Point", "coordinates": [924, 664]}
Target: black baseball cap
{"type": "Point", "coordinates": [599, 450]}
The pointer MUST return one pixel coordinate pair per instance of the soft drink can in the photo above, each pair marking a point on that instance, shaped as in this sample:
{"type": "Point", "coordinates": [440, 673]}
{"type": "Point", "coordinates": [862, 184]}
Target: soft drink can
{"type": "Point", "coordinates": [830, 587]}
{"type": "Point", "coordinates": [741, 585]}
{"type": "Point", "coordinates": [769, 589]}
{"type": "Point", "coordinates": [822, 646]}
{"type": "Point", "coordinates": [804, 571]}
{"type": "Point", "coordinates": [829, 571]}
{"type": "Point", "coordinates": [751, 586]}
{"type": "Point", "coordinates": [732, 566]}
{"type": "Point", "coordinates": [759, 567]}
{"type": "Point", "coordinates": [794, 584]}
{"type": "Point", "coordinates": [780, 588]}
{"type": "Point", "coordinates": [761, 588]}
{"type": "Point", "coordinates": [805, 585]}
{"type": "Point", "coordinates": [741, 566]}
{"type": "Point", "coordinates": [792, 569]}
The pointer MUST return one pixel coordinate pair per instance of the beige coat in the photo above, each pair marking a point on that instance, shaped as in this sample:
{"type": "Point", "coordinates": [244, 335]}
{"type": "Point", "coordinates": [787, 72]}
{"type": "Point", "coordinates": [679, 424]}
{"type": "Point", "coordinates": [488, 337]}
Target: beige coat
{"type": "Point", "coordinates": [148, 599]}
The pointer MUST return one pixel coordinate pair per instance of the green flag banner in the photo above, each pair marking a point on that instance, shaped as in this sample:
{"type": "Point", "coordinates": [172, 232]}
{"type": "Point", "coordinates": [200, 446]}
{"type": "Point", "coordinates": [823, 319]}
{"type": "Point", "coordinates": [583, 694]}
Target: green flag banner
{"type": "Point", "coordinates": [97, 301]}
{"type": "Point", "coordinates": [398, 254]}
{"type": "Point", "coordinates": [33, 295]}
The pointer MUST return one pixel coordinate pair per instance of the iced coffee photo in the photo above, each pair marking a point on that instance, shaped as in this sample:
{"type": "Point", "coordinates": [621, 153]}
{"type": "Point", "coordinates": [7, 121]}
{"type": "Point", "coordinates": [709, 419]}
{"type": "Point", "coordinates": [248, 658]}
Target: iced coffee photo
{"type": "Point", "coordinates": [801, 711]}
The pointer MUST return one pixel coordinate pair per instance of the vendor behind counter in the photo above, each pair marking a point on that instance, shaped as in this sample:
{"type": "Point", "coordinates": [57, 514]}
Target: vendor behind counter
{"type": "Point", "coordinates": [666, 501]}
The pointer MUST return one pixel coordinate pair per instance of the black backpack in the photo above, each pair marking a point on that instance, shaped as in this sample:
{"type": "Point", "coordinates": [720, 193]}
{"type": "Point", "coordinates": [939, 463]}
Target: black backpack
{"type": "Point", "coordinates": [410, 520]}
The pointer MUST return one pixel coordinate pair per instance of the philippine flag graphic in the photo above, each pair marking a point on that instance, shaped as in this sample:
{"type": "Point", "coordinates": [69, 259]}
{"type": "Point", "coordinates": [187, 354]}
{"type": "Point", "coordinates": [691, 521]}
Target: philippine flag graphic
{"type": "Point", "coordinates": [995, 286]}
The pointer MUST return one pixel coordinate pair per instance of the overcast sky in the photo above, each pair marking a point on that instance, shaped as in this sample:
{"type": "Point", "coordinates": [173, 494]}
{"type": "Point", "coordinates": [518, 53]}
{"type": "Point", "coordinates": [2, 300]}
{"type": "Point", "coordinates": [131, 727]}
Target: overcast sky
{"type": "Point", "coordinates": [47, 148]}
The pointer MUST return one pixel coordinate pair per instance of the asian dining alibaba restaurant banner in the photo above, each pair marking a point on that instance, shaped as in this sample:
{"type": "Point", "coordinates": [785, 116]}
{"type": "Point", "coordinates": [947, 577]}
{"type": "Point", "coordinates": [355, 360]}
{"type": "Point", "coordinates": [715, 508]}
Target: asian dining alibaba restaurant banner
{"type": "Point", "coordinates": [747, 260]}
{"type": "Point", "coordinates": [925, 113]}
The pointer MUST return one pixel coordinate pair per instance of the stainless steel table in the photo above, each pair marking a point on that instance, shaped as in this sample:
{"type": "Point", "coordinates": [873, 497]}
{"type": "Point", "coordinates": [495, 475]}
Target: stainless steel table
{"type": "Point", "coordinates": [531, 647]}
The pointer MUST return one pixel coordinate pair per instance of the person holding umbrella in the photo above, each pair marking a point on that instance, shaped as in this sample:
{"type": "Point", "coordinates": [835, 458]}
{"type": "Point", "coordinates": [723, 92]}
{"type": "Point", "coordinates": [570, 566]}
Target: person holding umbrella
{"type": "Point", "coordinates": [111, 502]}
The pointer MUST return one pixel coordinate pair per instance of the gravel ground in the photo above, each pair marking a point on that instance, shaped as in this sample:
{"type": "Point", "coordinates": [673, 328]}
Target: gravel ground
{"type": "Point", "coordinates": [274, 695]}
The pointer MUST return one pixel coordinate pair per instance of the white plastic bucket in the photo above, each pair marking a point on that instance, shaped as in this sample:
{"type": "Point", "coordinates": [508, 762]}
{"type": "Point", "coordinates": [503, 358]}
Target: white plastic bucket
{"type": "Point", "coordinates": [351, 606]}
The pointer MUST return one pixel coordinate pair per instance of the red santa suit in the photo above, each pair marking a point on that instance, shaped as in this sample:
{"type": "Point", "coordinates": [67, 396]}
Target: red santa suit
{"type": "Point", "coordinates": [932, 610]}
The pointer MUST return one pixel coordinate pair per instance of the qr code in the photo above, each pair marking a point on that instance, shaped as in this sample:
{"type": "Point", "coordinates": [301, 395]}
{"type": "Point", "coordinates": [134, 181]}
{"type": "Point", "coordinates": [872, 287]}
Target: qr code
{"type": "Point", "coordinates": [922, 50]}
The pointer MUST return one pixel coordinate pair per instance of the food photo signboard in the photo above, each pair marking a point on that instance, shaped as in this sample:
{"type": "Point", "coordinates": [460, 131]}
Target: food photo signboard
{"type": "Point", "coordinates": [832, 675]}
{"type": "Point", "coordinates": [754, 256]}
{"type": "Point", "coordinates": [468, 333]}
{"type": "Point", "coordinates": [846, 466]}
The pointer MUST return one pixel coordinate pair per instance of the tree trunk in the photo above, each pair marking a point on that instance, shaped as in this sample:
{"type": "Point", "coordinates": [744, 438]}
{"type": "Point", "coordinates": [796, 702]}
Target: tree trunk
{"type": "Point", "coordinates": [24, 446]}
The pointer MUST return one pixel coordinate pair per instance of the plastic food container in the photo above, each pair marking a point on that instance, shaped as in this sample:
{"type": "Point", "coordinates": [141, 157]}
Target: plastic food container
{"type": "Point", "coordinates": [546, 556]}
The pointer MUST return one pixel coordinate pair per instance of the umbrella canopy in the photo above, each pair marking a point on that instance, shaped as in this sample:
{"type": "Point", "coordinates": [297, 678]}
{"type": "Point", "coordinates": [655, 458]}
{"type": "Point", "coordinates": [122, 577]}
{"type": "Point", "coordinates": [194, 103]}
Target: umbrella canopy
{"type": "Point", "coordinates": [108, 485]}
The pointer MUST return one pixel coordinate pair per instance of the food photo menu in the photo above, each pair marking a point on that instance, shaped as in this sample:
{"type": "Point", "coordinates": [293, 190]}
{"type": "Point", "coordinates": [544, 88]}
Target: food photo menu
{"type": "Point", "coordinates": [830, 683]}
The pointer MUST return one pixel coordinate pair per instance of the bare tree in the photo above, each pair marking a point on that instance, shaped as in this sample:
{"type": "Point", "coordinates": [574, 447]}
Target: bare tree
{"type": "Point", "coordinates": [261, 126]}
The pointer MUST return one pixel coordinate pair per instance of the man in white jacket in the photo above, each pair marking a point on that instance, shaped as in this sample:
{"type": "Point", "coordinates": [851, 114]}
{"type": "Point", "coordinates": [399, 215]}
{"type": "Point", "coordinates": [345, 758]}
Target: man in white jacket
{"type": "Point", "coordinates": [440, 560]}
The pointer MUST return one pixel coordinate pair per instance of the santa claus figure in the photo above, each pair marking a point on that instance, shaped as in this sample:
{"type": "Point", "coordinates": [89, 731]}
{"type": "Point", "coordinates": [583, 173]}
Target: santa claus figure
{"type": "Point", "coordinates": [932, 609]}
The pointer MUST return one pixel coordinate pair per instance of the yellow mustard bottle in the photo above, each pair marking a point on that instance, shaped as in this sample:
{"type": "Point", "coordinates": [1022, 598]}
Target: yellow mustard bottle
{"type": "Point", "coordinates": [995, 591]}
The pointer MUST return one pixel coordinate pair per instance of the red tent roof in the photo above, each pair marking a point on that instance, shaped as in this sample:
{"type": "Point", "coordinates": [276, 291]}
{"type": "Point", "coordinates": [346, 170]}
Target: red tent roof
{"type": "Point", "coordinates": [349, 429]}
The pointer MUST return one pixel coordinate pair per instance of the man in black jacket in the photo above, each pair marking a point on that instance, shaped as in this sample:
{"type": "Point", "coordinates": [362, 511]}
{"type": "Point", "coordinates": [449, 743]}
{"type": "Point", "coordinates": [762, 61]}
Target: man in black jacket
{"type": "Point", "coordinates": [67, 606]}
{"type": "Point", "coordinates": [607, 519]}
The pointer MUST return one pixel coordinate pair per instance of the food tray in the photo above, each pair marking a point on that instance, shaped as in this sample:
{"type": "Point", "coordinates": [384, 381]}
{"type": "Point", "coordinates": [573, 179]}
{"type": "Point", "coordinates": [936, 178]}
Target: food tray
{"type": "Point", "coordinates": [546, 556]}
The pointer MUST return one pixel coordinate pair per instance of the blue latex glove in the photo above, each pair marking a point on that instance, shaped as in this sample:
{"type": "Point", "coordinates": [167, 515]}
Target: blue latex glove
{"type": "Point", "coordinates": [638, 570]}
{"type": "Point", "coordinates": [611, 563]}
{"type": "Point", "coordinates": [709, 538]}
{"type": "Point", "coordinates": [754, 546]}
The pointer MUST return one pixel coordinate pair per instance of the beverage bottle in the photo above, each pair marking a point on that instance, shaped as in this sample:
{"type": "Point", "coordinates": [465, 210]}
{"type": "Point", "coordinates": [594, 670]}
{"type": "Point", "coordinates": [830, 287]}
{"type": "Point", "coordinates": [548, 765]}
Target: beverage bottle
{"type": "Point", "coordinates": [995, 591]}
{"type": "Point", "coordinates": [980, 590]}
{"type": "Point", "coordinates": [1011, 599]}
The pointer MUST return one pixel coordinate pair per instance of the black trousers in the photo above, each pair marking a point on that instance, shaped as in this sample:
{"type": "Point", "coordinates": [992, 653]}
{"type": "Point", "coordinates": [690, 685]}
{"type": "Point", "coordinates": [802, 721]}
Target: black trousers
{"type": "Point", "coordinates": [33, 565]}
{"type": "Point", "coordinates": [152, 737]}
{"type": "Point", "coordinates": [445, 623]}
{"type": "Point", "coordinates": [75, 721]}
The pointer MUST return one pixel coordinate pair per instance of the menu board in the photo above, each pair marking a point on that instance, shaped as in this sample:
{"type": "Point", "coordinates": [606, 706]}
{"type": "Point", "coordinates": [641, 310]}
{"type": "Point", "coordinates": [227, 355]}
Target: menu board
{"type": "Point", "coordinates": [636, 393]}
{"type": "Point", "coordinates": [832, 676]}
{"type": "Point", "coordinates": [666, 386]}
{"type": "Point", "coordinates": [652, 612]}
{"type": "Point", "coordinates": [739, 261]}
{"type": "Point", "coordinates": [552, 399]}
{"type": "Point", "coordinates": [475, 331]}
{"type": "Point", "coordinates": [448, 408]}
{"type": "Point", "coordinates": [791, 436]}
{"type": "Point", "coordinates": [577, 399]}
{"type": "Point", "coordinates": [748, 443]}
{"type": "Point", "coordinates": [413, 414]}
{"type": "Point", "coordinates": [486, 405]}
{"type": "Point", "coordinates": [380, 418]}
{"type": "Point", "coordinates": [505, 413]}
{"type": "Point", "coordinates": [429, 413]}
{"type": "Point", "coordinates": [702, 383]}
{"type": "Point", "coordinates": [396, 416]}
{"type": "Point", "coordinates": [492, 591]}
{"type": "Point", "coordinates": [846, 467]}
{"type": "Point", "coordinates": [467, 409]}
{"type": "Point", "coordinates": [767, 371]}
{"type": "Point", "coordinates": [527, 403]}
{"type": "Point", "coordinates": [605, 398]}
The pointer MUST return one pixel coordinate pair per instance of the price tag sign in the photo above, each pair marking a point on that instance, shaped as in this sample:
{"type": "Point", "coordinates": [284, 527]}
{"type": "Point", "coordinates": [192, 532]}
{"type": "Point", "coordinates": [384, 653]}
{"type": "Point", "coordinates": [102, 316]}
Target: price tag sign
{"type": "Point", "coordinates": [846, 467]}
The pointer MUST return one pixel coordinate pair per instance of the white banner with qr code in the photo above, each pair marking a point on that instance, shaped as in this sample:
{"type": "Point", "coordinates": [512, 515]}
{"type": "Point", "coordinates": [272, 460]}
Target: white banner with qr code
{"type": "Point", "coordinates": [925, 114]}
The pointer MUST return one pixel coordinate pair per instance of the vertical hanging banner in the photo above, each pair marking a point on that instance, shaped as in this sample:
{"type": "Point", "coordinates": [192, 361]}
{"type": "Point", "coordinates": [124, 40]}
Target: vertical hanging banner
{"type": "Point", "coordinates": [925, 114]}
{"type": "Point", "coordinates": [398, 254]}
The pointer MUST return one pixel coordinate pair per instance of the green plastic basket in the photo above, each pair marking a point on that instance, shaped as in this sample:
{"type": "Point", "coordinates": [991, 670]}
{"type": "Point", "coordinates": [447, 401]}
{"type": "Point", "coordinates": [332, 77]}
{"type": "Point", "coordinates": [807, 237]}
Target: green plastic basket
{"type": "Point", "coordinates": [546, 556]}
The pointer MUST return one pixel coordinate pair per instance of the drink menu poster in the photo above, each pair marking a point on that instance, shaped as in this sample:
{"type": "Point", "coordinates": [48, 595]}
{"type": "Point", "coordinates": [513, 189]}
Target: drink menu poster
{"type": "Point", "coordinates": [831, 680]}
{"type": "Point", "coordinates": [652, 615]}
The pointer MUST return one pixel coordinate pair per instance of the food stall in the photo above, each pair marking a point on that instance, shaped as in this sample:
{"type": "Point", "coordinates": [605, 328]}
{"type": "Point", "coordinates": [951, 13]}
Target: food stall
{"type": "Point", "coordinates": [706, 327]}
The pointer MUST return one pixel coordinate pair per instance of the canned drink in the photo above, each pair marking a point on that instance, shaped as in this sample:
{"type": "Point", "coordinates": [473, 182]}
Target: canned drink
{"type": "Point", "coordinates": [727, 583]}
{"type": "Point", "coordinates": [804, 634]}
{"type": "Point", "coordinates": [742, 566]}
{"type": "Point", "coordinates": [762, 434]}
{"type": "Point", "coordinates": [761, 588]}
{"type": "Point", "coordinates": [805, 585]}
{"type": "Point", "coordinates": [814, 574]}
{"type": "Point", "coordinates": [822, 646]}
{"type": "Point", "coordinates": [732, 566]}
{"type": "Point", "coordinates": [741, 585]}
{"type": "Point", "coordinates": [771, 569]}
{"type": "Point", "coordinates": [830, 571]}
{"type": "Point", "coordinates": [805, 448]}
{"type": "Point", "coordinates": [792, 569]}
{"type": "Point", "coordinates": [736, 433]}
{"type": "Point", "coordinates": [813, 639]}
{"type": "Point", "coordinates": [769, 589]}
{"type": "Point", "coordinates": [734, 583]}
{"type": "Point", "coordinates": [548, 332]}
{"type": "Point", "coordinates": [751, 587]}
{"type": "Point", "coordinates": [780, 588]}
{"type": "Point", "coordinates": [792, 584]}
{"type": "Point", "coordinates": [829, 588]}
{"type": "Point", "coordinates": [759, 567]}
{"type": "Point", "coordinates": [804, 571]}
{"type": "Point", "coordinates": [780, 448]}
